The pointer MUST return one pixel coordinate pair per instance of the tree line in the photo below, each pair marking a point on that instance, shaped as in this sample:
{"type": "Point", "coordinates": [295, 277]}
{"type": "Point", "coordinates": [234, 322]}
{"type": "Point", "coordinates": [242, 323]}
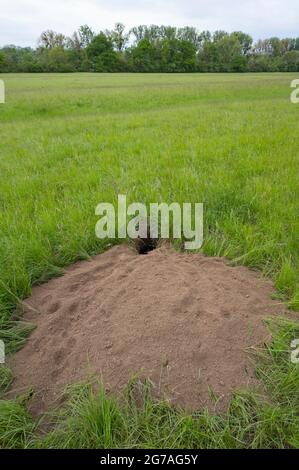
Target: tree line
{"type": "Point", "coordinates": [152, 49]}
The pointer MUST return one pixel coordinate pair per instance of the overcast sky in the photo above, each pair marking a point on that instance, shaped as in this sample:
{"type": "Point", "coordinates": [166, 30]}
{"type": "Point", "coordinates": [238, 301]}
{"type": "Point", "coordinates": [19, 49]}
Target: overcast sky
{"type": "Point", "coordinates": [22, 21]}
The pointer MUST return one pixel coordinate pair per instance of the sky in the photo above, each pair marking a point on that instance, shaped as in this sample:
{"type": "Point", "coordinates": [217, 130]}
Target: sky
{"type": "Point", "coordinates": [22, 21]}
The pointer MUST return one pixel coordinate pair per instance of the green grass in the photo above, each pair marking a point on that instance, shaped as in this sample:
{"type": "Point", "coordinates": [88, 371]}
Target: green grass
{"type": "Point", "coordinates": [69, 142]}
{"type": "Point", "coordinates": [16, 425]}
{"type": "Point", "coordinates": [5, 378]}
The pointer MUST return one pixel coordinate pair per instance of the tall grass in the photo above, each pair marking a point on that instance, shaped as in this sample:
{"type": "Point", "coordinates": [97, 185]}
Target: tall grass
{"type": "Point", "coordinates": [16, 424]}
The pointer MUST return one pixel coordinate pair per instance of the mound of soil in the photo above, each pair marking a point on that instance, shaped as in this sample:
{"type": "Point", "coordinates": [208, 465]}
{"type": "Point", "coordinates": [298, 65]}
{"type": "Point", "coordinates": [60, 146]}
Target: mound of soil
{"type": "Point", "coordinates": [184, 320]}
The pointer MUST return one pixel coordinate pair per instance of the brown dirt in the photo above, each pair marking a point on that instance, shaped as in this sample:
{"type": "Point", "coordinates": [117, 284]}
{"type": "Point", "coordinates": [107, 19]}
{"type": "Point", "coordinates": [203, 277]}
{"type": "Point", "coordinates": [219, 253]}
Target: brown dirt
{"type": "Point", "coordinates": [184, 320]}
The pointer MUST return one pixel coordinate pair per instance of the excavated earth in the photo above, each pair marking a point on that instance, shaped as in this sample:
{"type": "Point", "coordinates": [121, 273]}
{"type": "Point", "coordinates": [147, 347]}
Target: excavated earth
{"type": "Point", "coordinates": [186, 321]}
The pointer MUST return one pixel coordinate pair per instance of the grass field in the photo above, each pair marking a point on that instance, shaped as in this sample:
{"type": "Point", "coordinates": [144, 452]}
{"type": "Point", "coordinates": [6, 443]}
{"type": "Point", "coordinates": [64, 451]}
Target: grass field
{"type": "Point", "coordinates": [69, 142]}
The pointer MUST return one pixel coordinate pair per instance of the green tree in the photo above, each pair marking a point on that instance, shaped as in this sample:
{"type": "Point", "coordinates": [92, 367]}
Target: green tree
{"type": "Point", "coordinates": [229, 55]}
{"type": "Point", "coordinates": [219, 35]}
{"type": "Point", "coordinates": [56, 59]}
{"type": "Point", "coordinates": [145, 57]}
{"type": "Point", "coordinates": [190, 34]}
{"type": "Point", "coordinates": [168, 32]}
{"type": "Point", "coordinates": [290, 62]}
{"type": "Point", "coordinates": [154, 49]}
{"type": "Point", "coordinates": [118, 37]}
{"type": "Point", "coordinates": [260, 63]}
{"type": "Point", "coordinates": [223, 54]}
{"type": "Point", "coordinates": [139, 32]}
{"type": "Point", "coordinates": [178, 56]}
{"type": "Point", "coordinates": [86, 35]}
{"type": "Point", "coordinates": [2, 61]}
{"type": "Point", "coordinates": [50, 39]}
{"type": "Point", "coordinates": [101, 54]}
{"type": "Point", "coordinates": [245, 41]}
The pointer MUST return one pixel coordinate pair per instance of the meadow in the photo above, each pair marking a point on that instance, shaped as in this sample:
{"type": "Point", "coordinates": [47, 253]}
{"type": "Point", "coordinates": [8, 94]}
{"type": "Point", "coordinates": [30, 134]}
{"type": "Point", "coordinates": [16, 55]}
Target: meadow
{"type": "Point", "coordinates": [71, 141]}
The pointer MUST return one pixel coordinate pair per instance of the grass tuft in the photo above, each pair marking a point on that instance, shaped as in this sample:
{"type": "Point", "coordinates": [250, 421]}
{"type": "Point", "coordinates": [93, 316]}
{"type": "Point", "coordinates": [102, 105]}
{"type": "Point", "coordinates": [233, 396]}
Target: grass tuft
{"type": "Point", "coordinates": [16, 425]}
{"type": "Point", "coordinates": [5, 378]}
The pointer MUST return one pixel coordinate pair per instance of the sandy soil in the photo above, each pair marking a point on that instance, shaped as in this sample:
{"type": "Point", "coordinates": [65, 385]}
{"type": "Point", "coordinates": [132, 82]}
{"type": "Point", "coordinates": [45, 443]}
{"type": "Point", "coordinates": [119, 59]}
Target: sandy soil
{"type": "Point", "coordinates": [184, 320]}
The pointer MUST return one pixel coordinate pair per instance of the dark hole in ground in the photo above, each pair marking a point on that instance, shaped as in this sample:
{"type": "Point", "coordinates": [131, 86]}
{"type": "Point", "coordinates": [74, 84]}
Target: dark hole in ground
{"type": "Point", "coordinates": [145, 245]}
